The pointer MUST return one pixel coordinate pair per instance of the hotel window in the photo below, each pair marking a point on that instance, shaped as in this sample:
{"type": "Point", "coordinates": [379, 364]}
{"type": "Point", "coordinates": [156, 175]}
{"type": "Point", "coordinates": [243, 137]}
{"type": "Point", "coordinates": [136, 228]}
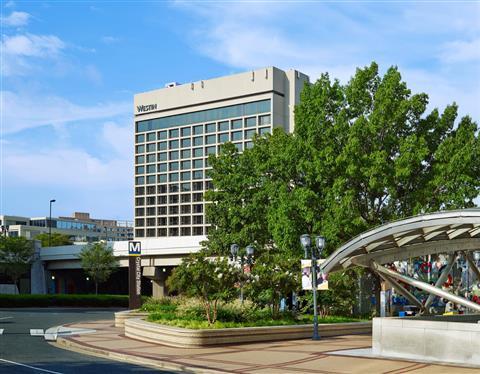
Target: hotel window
{"type": "Point", "coordinates": [162, 156]}
{"type": "Point", "coordinates": [237, 135]}
{"type": "Point", "coordinates": [174, 133]}
{"type": "Point", "coordinates": [185, 198]}
{"type": "Point", "coordinates": [251, 122]}
{"type": "Point", "coordinates": [162, 146]}
{"type": "Point", "coordinates": [140, 149]}
{"type": "Point", "coordinates": [173, 188]}
{"type": "Point", "coordinates": [140, 180]}
{"type": "Point", "coordinates": [151, 211]}
{"type": "Point", "coordinates": [139, 159]}
{"type": "Point", "coordinates": [162, 210]}
{"type": "Point", "coordinates": [162, 168]}
{"type": "Point", "coordinates": [173, 220]}
{"type": "Point", "coordinates": [162, 189]}
{"type": "Point", "coordinates": [249, 134]}
{"type": "Point", "coordinates": [197, 186]}
{"type": "Point", "coordinates": [197, 164]}
{"type": "Point", "coordinates": [139, 233]}
{"type": "Point", "coordinates": [223, 126]}
{"type": "Point", "coordinates": [198, 230]}
{"type": "Point", "coordinates": [222, 138]}
{"type": "Point", "coordinates": [140, 211]}
{"type": "Point", "coordinates": [139, 201]}
{"type": "Point", "coordinates": [162, 221]}
{"type": "Point", "coordinates": [173, 177]}
{"type": "Point", "coordinates": [185, 187]}
{"type": "Point", "coordinates": [265, 130]}
{"type": "Point", "coordinates": [162, 232]}
{"type": "Point", "coordinates": [248, 145]}
{"type": "Point", "coordinates": [197, 197]}
{"type": "Point", "coordinates": [151, 137]}
{"type": "Point", "coordinates": [185, 231]}
{"type": "Point", "coordinates": [150, 190]}
{"type": "Point", "coordinates": [198, 152]}
{"type": "Point", "coordinates": [198, 141]}
{"type": "Point", "coordinates": [151, 147]}
{"type": "Point", "coordinates": [210, 139]}
{"type": "Point", "coordinates": [264, 120]}
{"type": "Point", "coordinates": [173, 210]}
{"type": "Point", "coordinates": [150, 179]}
{"type": "Point", "coordinates": [198, 174]}
{"type": "Point", "coordinates": [173, 144]}
{"type": "Point", "coordinates": [162, 135]}
{"type": "Point", "coordinates": [239, 147]}
{"type": "Point", "coordinates": [185, 176]}
{"type": "Point", "coordinates": [210, 151]}
{"type": "Point", "coordinates": [150, 233]}
{"type": "Point", "coordinates": [151, 169]}
{"type": "Point", "coordinates": [151, 200]}
{"type": "Point", "coordinates": [197, 208]}
{"type": "Point", "coordinates": [185, 220]}
{"type": "Point", "coordinates": [150, 158]}
{"type": "Point", "coordinates": [236, 124]}
{"type": "Point", "coordinates": [185, 165]}
{"type": "Point", "coordinates": [151, 221]}
{"type": "Point", "coordinates": [186, 143]}
{"type": "Point", "coordinates": [209, 185]}
{"type": "Point", "coordinates": [173, 199]}
{"type": "Point", "coordinates": [197, 130]}
{"type": "Point", "coordinates": [210, 127]}
{"type": "Point", "coordinates": [197, 220]}
{"type": "Point", "coordinates": [162, 178]}
{"type": "Point", "coordinates": [186, 131]}
{"type": "Point", "coordinates": [185, 209]}
{"type": "Point", "coordinates": [140, 138]}
{"type": "Point", "coordinates": [173, 166]}
{"type": "Point", "coordinates": [139, 222]}
{"type": "Point", "coordinates": [139, 170]}
{"type": "Point", "coordinates": [186, 153]}
{"type": "Point", "coordinates": [174, 155]}
{"type": "Point", "coordinates": [139, 190]}
{"type": "Point", "coordinates": [173, 231]}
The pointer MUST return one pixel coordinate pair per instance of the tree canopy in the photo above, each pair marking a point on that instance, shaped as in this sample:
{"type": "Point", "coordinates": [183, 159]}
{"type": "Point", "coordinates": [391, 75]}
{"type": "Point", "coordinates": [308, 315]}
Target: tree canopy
{"type": "Point", "coordinates": [98, 262]}
{"type": "Point", "coordinates": [56, 239]}
{"type": "Point", "coordinates": [16, 255]}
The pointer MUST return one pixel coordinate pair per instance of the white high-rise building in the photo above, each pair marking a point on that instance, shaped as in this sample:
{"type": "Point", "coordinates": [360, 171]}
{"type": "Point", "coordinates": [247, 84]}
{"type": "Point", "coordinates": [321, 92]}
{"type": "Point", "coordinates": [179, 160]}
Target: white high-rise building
{"type": "Point", "coordinates": [178, 126]}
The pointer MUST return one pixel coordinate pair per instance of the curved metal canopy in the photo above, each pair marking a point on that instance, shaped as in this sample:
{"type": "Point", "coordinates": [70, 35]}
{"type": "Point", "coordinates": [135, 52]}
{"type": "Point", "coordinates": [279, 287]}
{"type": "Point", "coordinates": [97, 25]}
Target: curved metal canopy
{"type": "Point", "coordinates": [440, 232]}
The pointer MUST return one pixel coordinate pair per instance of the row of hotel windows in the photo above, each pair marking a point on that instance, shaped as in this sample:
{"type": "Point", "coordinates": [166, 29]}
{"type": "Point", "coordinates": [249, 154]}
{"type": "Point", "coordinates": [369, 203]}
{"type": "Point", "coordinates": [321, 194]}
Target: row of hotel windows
{"type": "Point", "coordinates": [208, 115]}
{"type": "Point", "coordinates": [172, 209]}
{"type": "Point", "coordinates": [199, 140]}
{"type": "Point", "coordinates": [172, 221]}
{"type": "Point", "coordinates": [172, 231]}
{"type": "Point", "coordinates": [201, 129]}
{"type": "Point", "coordinates": [172, 199]}
{"type": "Point", "coordinates": [172, 166]}
{"type": "Point", "coordinates": [172, 177]}
{"type": "Point", "coordinates": [173, 188]}
{"type": "Point", "coordinates": [185, 154]}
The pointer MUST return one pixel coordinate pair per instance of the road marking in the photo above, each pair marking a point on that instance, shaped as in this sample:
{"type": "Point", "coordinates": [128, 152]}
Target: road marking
{"type": "Point", "coordinates": [1, 331]}
{"type": "Point", "coordinates": [36, 332]}
{"type": "Point", "coordinates": [5, 318]}
{"type": "Point", "coordinates": [30, 367]}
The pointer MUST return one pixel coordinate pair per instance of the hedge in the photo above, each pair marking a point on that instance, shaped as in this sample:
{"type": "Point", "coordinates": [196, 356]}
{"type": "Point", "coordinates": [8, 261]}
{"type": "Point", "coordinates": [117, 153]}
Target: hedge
{"type": "Point", "coordinates": [25, 300]}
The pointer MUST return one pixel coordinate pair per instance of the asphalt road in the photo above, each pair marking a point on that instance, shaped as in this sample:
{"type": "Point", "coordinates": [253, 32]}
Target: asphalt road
{"type": "Point", "coordinates": [24, 354]}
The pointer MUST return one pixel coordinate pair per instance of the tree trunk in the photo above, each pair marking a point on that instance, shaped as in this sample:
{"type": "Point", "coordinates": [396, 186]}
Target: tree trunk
{"type": "Point", "coordinates": [96, 288]}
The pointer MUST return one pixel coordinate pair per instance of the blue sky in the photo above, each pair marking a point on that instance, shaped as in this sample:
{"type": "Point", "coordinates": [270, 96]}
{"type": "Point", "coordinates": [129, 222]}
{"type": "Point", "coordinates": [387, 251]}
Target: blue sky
{"type": "Point", "coordinates": [69, 71]}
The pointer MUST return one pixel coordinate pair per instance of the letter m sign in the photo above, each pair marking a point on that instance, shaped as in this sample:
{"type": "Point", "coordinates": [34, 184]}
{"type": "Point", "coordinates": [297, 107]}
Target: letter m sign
{"type": "Point", "coordinates": [134, 249]}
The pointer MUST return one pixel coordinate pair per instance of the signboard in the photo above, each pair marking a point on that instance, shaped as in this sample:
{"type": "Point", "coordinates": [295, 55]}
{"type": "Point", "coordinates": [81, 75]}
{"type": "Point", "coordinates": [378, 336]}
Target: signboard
{"type": "Point", "coordinates": [134, 275]}
{"type": "Point", "coordinates": [322, 281]}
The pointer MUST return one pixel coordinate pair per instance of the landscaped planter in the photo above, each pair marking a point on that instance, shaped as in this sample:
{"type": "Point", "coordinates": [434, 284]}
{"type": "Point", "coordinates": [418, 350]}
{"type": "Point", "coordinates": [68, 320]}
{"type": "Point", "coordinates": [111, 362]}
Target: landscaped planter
{"type": "Point", "coordinates": [120, 317]}
{"type": "Point", "coordinates": [140, 329]}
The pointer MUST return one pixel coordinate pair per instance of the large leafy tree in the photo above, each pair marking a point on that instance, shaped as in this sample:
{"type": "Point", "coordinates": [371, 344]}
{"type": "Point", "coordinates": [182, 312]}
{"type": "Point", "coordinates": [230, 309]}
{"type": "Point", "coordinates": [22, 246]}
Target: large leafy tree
{"type": "Point", "coordinates": [55, 240]}
{"type": "Point", "coordinates": [98, 262]}
{"type": "Point", "coordinates": [16, 255]}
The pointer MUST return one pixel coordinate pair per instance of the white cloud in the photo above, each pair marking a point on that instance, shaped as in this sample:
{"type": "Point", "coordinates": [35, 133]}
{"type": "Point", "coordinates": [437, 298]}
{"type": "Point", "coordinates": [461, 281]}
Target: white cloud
{"type": "Point", "coordinates": [109, 39]}
{"type": "Point", "coordinates": [32, 45]}
{"type": "Point", "coordinates": [93, 74]}
{"type": "Point", "coordinates": [16, 19]}
{"type": "Point", "coordinates": [23, 111]}
{"type": "Point", "coordinates": [461, 51]}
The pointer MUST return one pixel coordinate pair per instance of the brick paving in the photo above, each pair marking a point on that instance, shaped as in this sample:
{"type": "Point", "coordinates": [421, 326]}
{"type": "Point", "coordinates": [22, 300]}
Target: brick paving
{"type": "Point", "coordinates": [294, 356]}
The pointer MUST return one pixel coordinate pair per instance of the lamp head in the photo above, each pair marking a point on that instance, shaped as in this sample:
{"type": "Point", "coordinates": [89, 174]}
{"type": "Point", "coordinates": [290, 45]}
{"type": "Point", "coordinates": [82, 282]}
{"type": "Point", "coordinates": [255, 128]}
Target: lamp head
{"type": "Point", "coordinates": [250, 250]}
{"type": "Point", "coordinates": [305, 240]}
{"type": "Point", "coordinates": [320, 243]}
{"type": "Point", "coordinates": [53, 200]}
{"type": "Point", "coordinates": [234, 249]}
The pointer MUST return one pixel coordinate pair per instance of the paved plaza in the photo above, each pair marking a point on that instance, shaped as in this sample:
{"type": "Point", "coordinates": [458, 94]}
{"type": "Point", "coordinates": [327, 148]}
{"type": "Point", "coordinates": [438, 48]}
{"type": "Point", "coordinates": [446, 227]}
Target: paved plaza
{"type": "Point", "coordinates": [329, 355]}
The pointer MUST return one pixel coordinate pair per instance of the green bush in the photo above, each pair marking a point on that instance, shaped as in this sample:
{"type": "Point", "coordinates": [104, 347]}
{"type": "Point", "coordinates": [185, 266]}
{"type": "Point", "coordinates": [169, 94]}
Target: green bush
{"type": "Point", "coordinates": [63, 300]}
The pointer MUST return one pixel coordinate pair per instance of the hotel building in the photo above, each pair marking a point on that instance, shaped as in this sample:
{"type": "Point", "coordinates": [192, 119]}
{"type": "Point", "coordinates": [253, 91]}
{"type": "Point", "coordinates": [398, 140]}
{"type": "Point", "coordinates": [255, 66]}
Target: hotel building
{"type": "Point", "coordinates": [179, 126]}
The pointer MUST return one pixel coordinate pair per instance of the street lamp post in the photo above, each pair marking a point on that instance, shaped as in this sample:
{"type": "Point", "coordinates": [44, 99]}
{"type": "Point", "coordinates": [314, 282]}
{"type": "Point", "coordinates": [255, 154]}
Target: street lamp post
{"type": "Point", "coordinates": [306, 242]}
{"type": "Point", "coordinates": [50, 224]}
{"type": "Point", "coordinates": [236, 256]}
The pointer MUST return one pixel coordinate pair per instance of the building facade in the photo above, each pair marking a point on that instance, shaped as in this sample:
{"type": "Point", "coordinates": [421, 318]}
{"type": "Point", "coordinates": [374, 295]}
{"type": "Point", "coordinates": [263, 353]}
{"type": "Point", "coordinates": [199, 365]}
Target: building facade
{"type": "Point", "coordinates": [179, 126]}
{"type": "Point", "coordinates": [80, 227]}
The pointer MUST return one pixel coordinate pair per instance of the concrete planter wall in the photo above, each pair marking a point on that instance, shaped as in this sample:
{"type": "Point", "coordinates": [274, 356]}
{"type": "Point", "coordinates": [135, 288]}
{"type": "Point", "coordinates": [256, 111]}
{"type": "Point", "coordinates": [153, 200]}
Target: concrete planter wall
{"type": "Point", "coordinates": [430, 340]}
{"type": "Point", "coordinates": [120, 317]}
{"type": "Point", "coordinates": [179, 337]}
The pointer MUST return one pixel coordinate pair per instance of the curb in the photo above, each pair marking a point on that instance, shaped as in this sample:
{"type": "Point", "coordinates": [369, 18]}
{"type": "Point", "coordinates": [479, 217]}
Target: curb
{"type": "Point", "coordinates": [69, 345]}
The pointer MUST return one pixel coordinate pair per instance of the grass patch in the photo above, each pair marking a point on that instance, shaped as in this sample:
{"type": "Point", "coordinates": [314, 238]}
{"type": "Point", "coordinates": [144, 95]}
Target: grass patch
{"type": "Point", "coordinates": [63, 300]}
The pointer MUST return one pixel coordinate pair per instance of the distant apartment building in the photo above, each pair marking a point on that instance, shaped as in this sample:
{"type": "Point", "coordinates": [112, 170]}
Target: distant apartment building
{"type": "Point", "coordinates": [179, 126]}
{"type": "Point", "coordinates": [80, 227]}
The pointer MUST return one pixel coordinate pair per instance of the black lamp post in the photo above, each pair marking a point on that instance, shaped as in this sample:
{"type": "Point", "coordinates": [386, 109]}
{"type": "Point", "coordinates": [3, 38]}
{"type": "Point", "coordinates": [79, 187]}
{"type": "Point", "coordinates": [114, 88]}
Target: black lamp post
{"type": "Point", "coordinates": [319, 245]}
{"type": "Point", "coordinates": [50, 224]}
{"type": "Point", "coordinates": [242, 258]}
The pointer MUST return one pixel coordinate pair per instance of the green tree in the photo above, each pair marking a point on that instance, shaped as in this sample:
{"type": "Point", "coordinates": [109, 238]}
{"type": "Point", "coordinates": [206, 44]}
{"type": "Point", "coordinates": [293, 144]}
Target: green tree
{"type": "Point", "coordinates": [98, 262]}
{"type": "Point", "coordinates": [16, 255]}
{"type": "Point", "coordinates": [210, 279]}
{"type": "Point", "coordinates": [56, 239]}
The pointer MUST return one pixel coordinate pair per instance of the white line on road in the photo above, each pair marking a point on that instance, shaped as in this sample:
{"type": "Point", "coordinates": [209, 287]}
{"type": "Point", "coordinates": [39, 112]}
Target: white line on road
{"type": "Point", "coordinates": [36, 332]}
{"type": "Point", "coordinates": [6, 317]}
{"type": "Point", "coordinates": [30, 367]}
{"type": "Point", "coordinates": [1, 331]}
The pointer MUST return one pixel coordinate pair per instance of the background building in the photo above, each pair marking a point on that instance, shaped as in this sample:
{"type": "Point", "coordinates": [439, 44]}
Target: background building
{"type": "Point", "coordinates": [179, 126]}
{"type": "Point", "coordinates": [80, 227]}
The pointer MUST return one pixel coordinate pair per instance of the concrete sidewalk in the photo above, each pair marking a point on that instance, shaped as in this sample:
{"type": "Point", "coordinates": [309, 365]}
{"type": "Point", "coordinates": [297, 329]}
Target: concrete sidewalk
{"type": "Point", "coordinates": [296, 356]}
